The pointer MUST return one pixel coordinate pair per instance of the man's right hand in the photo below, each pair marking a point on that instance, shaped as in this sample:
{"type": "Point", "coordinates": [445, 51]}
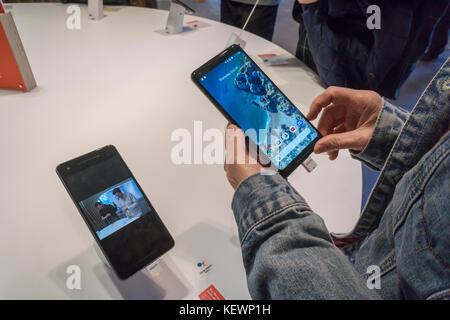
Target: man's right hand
{"type": "Point", "coordinates": [347, 121]}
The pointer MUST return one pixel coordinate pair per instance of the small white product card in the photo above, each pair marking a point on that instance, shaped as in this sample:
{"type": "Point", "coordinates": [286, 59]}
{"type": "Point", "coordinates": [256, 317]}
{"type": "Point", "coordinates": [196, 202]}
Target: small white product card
{"type": "Point", "coordinates": [272, 59]}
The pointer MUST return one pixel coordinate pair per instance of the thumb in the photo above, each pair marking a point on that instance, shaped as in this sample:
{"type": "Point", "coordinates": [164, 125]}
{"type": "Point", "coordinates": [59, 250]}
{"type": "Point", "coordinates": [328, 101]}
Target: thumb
{"type": "Point", "coordinates": [337, 141]}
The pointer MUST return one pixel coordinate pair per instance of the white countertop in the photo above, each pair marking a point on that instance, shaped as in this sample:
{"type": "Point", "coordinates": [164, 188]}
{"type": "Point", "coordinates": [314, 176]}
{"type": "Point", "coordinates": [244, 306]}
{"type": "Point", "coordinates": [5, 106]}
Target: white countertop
{"type": "Point", "coordinates": [117, 81]}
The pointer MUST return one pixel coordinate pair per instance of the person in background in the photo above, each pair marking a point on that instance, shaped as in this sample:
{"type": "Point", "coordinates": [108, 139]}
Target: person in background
{"type": "Point", "coordinates": [439, 39]}
{"type": "Point", "coordinates": [302, 52]}
{"type": "Point", "coordinates": [262, 22]}
{"type": "Point", "coordinates": [401, 240]}
{"type": "Point", "coordinates": [127, 203]}
{"type": "Point", "coordinates": [336, 42]}
{"type": "Point", "coordinates": [107, 212]}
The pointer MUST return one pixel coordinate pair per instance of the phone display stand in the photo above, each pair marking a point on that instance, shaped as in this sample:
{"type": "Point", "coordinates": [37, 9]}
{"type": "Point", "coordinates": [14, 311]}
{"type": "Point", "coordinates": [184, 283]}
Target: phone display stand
{"type": "Point", "coordinates": [95, 8]}
{"type": "Point", "coordinates": [153, 269]}
{"type": "Point", "coordinates": [236, 39]}
{"type": "Point", "coordinates": [175, 20]}
{"type": "Point", "coordinates": [309, 164]}
{"type": "Point", "coordinates": [100, 254]}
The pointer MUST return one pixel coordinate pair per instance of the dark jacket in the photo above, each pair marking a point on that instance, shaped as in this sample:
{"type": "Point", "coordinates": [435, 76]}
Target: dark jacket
{"type": "Point", "coordinates": [348, 54]}
{"type": "Point", "coordinates": [108, 209]}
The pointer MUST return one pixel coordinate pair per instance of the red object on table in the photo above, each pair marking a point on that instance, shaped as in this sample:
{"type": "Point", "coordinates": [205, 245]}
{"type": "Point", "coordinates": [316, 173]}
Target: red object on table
{"type": "Point", "coordinates": [211, 293]}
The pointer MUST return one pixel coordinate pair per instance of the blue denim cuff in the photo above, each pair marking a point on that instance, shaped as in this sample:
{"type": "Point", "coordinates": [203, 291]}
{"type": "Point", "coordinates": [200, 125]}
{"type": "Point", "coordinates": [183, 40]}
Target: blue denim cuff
{"type": "Point", "coordinates": [260, 197]}
{"type": "Point", "coordinates": [389, 123]}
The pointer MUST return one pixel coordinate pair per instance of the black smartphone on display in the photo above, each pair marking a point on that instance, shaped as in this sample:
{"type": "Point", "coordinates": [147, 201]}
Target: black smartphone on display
{"type": "Point", "coordinates": [119, 215]}
{"type": "Point", "coordinates": [246, 96]}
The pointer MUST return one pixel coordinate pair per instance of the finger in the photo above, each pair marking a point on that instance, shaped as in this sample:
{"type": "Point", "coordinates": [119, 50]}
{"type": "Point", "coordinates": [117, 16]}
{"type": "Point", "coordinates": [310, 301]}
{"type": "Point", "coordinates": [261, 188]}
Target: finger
{"type": "Point", "coordinates": [337, 141]}
{"type": "Point", "coordinates": [331, 95]}
{"type": "Point", "coordinates": [332, 155]}
{"type": "Point", "coordinates": [331, 117]}
{"type": "Point", "coordinates": [230, 132]}
{"type": "Point", "coordinates": [263, 159]}
{"type": "Point", "coordinates": [232, 126]}
{"type": "Point", "coordinates": [235, 146]}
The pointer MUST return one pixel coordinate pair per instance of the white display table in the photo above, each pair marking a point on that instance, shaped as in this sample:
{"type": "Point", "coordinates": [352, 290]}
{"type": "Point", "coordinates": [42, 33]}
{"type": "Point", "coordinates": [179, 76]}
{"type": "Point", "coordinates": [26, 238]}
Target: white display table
{"type": "Point", "coordinates": [117, 81]}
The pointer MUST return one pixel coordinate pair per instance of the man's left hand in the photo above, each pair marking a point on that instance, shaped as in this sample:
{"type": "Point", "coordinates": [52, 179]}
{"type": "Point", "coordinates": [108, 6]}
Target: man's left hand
{"type": "Point", "coordinates": [237, 172]}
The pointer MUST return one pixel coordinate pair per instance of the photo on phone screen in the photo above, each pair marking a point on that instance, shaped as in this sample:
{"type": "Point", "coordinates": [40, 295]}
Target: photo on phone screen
{"type": "Point", "coordinates": [118, 213]}
{"type": "Point", "coordinates": [114, 208]}
{"type": "Point", "coordinates": [253, 101]}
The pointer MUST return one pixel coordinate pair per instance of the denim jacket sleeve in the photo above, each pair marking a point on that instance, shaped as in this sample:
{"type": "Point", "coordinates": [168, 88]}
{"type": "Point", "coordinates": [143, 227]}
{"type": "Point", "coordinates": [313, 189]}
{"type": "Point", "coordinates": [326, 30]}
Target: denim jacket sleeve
{"type": "Point", "coordinates": [287, 250]}
{"type": "Point", "coordinates": [389, 123]}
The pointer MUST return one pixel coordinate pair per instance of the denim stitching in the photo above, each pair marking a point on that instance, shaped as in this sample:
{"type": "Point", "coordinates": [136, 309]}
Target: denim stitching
{"type": "Point", "coordinates": [403, 211]}
{"type": "Point", "coordinates": [419, 181]}
{"type": "Point", "coordinates": [264, 219]}
{"type": "Point", "coordinates": [389, 264]}
{"type": "Point", "coordinates": [439, 295]}
{"type": "Point", "coordinates": [385, 267]}
{"type": "Point", "coordinates": [427, 230]}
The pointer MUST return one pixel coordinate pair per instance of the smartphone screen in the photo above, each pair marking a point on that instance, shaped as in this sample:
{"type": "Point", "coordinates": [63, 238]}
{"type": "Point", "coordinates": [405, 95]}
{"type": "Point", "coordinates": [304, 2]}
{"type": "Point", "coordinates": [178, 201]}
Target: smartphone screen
{"type": "Point", "coordinates": [259, 108]}
{"type": "Point", "coordinates": [116, 210]}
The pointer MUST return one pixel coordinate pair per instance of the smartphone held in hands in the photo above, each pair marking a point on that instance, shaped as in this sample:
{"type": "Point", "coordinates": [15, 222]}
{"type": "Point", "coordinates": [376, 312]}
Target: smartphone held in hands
{"type": "Point", "coordinates": [241, 91]}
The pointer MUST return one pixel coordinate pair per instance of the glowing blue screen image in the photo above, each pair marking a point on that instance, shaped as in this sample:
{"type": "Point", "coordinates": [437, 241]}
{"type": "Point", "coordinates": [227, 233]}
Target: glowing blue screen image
{"type": "Point", "coordinates": [252, 100]}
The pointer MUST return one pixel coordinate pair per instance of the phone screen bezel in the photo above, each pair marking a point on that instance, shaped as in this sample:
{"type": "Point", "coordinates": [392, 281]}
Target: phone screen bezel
{"type": "Point", "coordinates": [218, 59]}
{"type": "Point", "coordinates": [91, 159]}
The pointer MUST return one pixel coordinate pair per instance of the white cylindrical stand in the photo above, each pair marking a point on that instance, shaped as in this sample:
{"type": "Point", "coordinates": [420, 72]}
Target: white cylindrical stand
{"type": "Point", "coordinates": [95, 8]}
{"type": "Point", "coordinates": [175, 19]}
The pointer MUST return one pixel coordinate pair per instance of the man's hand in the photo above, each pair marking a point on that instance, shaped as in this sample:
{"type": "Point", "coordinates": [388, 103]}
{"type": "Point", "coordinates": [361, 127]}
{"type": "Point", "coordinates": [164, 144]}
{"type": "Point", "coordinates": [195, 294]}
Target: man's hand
{"type": "Point", "coordinates": [347, 121]}
{"type": "Point", "coordinates": [239, 169]}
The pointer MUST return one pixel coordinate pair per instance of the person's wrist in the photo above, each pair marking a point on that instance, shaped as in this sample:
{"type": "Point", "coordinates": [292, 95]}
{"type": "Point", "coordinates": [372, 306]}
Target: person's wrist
{"type": "Point", "coordinates": [235, 178]}
{"type": "Point", "coordinates": [245, 178]}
